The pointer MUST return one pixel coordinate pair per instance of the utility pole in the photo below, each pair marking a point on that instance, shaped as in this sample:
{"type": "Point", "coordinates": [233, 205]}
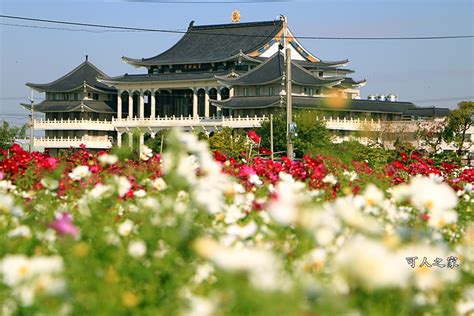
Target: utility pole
{"type": "Point", "coordinates": [289, 106]}
{"type": "Point", "coordinates": [32, 123]}
{"type": "Point", "coordinates": [271, 135]}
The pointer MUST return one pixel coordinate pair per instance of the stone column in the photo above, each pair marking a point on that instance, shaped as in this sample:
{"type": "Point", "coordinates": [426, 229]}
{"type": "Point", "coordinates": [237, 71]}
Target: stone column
{"type": "Point", "coordinates": [141, 102]}
{"type": "Point", "coordinates": [119, 139]}
{"type": "Point", "coordinates": [153, 104]}
{"type": "Point", "coordinates": [130, 105]}
{"type": "Point", "coordinates": [119, 105]}
{"type": "Point", "coordinates": [195, 104]}
{"type": "Point", "coordinates": [219, 97]}
{"type": "Point", "coordinates": [206, 103]}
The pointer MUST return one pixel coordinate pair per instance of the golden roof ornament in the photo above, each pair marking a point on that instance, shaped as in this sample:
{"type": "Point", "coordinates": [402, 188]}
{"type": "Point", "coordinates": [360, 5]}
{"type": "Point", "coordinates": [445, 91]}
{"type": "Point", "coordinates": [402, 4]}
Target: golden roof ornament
{"type": "Point", "coordinates": [235, 17]}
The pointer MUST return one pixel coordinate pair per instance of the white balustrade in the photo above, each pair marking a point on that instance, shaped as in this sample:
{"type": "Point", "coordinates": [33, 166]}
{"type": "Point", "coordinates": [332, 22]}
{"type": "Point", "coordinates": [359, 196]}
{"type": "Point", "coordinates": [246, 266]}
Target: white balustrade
{"type": "Point", "coordinates": [92, 142]}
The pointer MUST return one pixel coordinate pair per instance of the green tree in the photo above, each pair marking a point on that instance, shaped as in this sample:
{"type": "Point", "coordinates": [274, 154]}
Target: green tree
{"type": "Point", "coordinates": [231, 142]}
{"type": "Point", "coordinates": [8, 134]}
{"type": "Point", "coordinates": [312, 135]}
{"type": "Point", "coordinates": [459, 122]}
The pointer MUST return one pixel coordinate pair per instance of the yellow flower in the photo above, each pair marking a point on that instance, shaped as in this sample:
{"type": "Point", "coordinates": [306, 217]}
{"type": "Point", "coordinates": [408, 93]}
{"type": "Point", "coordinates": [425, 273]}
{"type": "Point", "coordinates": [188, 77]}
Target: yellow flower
{"type": "Point", "coordinates": [80, 250]}
{"type": "Point", "coordinates": [129, 299]}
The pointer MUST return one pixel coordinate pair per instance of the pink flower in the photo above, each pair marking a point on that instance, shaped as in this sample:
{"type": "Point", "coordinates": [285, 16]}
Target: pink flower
{"type": "Point", "coordinates": [63, 225]}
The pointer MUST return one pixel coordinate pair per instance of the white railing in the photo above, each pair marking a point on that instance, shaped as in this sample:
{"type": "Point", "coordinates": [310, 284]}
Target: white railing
{"type": "Point", "coordinates": [189, 121]}
{"type": "Point", "coordinates": [91, 142]}
{"type": "Point", "coordinates": [75, 124]}
{"type": "Point", "coordinates": [163, 122]}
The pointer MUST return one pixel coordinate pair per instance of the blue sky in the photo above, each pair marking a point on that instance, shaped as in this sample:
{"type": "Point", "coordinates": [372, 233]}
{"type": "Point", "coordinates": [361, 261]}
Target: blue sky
{"type": "Point", "coordinates": [415, 70]}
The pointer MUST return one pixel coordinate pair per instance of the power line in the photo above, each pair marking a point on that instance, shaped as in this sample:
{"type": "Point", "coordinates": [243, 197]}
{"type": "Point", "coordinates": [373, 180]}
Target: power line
{"type": "Point", "coordinates": [125, 28]}
{"type": "Point", "coordinates": [62, 28]}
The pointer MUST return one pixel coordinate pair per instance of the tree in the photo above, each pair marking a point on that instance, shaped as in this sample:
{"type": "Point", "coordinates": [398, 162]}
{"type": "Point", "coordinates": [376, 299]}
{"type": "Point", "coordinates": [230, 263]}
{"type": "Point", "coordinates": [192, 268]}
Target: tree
{"type": "Point", "coordinates": [228, 141]}
{"type": "Point", "coordinates": [312, 133]}
{"type": "Point", "coordinates": [431, 135]}
{"type": "Point", "coordinates": [459, 122]}
{"type": "Point", "coordinates": [9, 134]}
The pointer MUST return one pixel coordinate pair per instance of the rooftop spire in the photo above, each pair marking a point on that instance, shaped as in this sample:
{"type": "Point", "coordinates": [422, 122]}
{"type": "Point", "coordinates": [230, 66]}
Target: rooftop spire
{"type": "Point", "coordinates": [87, 57]}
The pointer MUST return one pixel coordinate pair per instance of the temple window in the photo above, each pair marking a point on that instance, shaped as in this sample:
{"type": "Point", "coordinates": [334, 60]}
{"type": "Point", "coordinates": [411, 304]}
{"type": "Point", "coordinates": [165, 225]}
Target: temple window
{"type": "Point", "coordinates": [95, 96]}
{"type": "Point", "coordinates": [271, 91]}
{"type": "Point", "coordinates": [246, 92]}
{"type": "Point", "coordinates": [257, 91]}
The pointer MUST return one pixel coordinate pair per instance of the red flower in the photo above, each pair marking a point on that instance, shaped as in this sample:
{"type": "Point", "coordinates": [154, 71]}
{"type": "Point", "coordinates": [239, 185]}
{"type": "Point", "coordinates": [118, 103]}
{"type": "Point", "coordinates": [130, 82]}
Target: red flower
{"type": "Point", "coordinates": [264, 151]}
{"type": "Point", "coordinates": [254, 137]}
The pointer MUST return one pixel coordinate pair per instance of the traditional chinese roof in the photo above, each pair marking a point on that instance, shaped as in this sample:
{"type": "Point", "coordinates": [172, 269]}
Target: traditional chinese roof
{"type": "Point", "coordinates": [316, 103]}
{"type": "Point", "coordinates": [214, 43]}
{"type": "Point", "coordinates": [84, 73]}
{"type": "Point", "coordinates": [272, 71]}
{"type": "Point", "coordinates": [72, 106]}
{"type": "Point", "coordinates": [175, 76]}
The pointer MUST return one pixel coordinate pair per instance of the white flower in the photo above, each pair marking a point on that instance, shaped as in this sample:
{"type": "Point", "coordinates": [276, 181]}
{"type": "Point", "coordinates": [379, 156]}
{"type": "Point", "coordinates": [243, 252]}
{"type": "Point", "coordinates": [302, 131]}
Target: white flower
{"type": "Point", "coordinates": [7, 205]}
{"type": "Point", "coordinates": [203, 272]}
{"type": "Point", "coordinates": [255, 180]}
{"type": "Point", "coordinates": [159, 184]}
{"type": "Point", "coordinates": [429, 195]}
{"type": "Point", "coordinates": [199, 306]}
{"type": "Point", "coordinates": [372, 195]}
{"type": "Point", "coordinates": [123, 185]}
{"type": "Point", "coordinates": [242, 232]}
{"type": "Point", "coordinates": [439, 219]}
{"type": "Point", "coordinates": [436, 177]}
{"type": "Point", "coordinates": [146, 153]}
{"type": "Point", "coordinates": [139, 193]}
{"type": "Point", "coordinates": [137, 248]}
{"type": "Point", "coordinates": [125, 228]}
{"type": "Point", "coordinates": [79, 173]}
{"type": "Point", "coordinates": [20, 231]}
{"type": "Point", "coordinates": [284, 209]}
{"type": "Point", "coordinates": [352, 175]}
{"type": "Point", "coordinates": [50, 184]}
{"type": "Point", "coordinates": [370, 264]}
{"type": "Point", "coordinates": [28, 276]}
{"type": "Point", "coordinates": [6, 185]}
{"type": "Point", "coordinates": [99, 191]}
{"type": "Point", "coordinates": [330, 178]}
{"type": "Point", "coordinates": [15, 269]}
{"type": "Point", "coordinates": [107, 159]}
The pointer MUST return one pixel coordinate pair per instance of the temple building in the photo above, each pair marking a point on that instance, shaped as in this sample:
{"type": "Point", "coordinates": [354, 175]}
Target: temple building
{"type": "Point", "coordinates": [226, 75]}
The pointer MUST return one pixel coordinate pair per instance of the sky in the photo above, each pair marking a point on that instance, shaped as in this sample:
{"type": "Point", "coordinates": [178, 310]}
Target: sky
{"type": "Point", "coordinates": [428, 73]}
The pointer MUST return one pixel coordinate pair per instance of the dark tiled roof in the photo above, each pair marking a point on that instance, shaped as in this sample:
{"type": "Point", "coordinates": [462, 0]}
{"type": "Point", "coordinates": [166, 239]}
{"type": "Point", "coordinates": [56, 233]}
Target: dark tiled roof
{"type": "Point", "coordinates": [70, 106]}
{"type": "Point", "coordinates": [272, 71]}
{"type": "Point", "coordinates": [75, 79]}
{"type": "Point", "coordinates": [427, 111]}
{"type": "Point", "coordinates": [214, 43]}
{"type": "Point", "coordinates": [182, 76]}
{"type": "Point", "coordinates": [316, 103]}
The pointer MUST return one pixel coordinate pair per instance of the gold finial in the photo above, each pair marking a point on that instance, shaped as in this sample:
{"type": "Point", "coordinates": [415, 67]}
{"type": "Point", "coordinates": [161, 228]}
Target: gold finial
{"type": "Point", "coordinates": [235, 17]}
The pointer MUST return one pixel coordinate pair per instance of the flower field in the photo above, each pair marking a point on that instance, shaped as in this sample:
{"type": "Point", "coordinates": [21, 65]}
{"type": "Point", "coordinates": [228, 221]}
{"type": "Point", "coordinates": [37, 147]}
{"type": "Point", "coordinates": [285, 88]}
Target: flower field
{"type": "Point", "coordinates": [197, 233]}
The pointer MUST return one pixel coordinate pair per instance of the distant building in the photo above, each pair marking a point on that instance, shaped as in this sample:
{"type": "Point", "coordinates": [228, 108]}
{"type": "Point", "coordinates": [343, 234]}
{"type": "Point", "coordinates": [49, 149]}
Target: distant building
{"type": "Point", "coordinates": [210, 77]}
